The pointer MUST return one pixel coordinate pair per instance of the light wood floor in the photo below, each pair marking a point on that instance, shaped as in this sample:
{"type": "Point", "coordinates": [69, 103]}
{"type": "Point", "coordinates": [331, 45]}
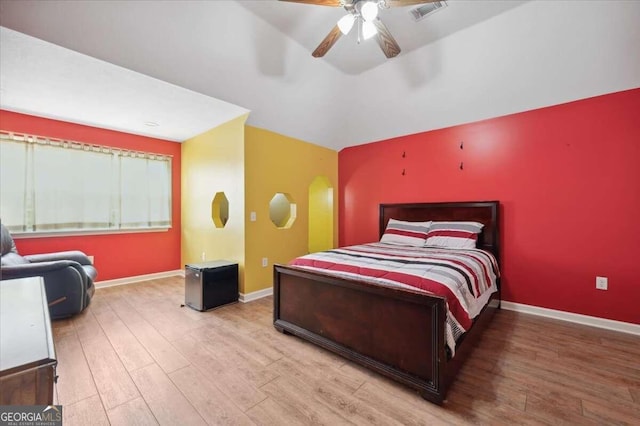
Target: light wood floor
{"type": "Point", "coordinates": [136, 357]}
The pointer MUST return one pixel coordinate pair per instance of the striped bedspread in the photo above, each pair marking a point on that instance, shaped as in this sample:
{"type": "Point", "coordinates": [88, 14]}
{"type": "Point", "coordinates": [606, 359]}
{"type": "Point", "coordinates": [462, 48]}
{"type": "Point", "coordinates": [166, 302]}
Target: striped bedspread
{"type": "Point", "coordinates": [465, 277]}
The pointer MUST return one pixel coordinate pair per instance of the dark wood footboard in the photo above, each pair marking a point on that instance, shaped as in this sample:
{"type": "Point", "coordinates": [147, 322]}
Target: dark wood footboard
{"type": "Point", "coordinates": [397, 333]}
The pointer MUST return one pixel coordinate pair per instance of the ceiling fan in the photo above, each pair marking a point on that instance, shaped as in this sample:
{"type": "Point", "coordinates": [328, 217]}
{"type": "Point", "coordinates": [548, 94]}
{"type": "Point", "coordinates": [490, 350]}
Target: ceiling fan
{"type": "Point", "coordinates": [364, 13]}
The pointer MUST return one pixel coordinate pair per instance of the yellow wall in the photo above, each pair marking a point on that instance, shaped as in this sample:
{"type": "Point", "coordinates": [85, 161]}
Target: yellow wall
{"type": "Point", "coordinates": [250, 166]}
{"type": "Point", "coordinates": [321, 201]}
{"type": "Point", "coordinates": [276, 163]}
{"type": "Point", "coordinates": [213, 162]}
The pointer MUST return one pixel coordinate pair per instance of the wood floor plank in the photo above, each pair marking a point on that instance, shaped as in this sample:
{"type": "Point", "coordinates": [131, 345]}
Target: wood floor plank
{"type": "Point", "coordinates": [611, 413]}
{"type": "Point", "coordinates": [167, 403]}
{"type": "Point", "coordinates": [89, 411]}
{"type": "Point", "coordinates": [504, 389]}
{"type": "Point", "coordinates": [574, 338]}
{"type": "Point", "coordinates": [270, 413]}
{"type": "Point", "coordinates": [239, 390]}
{"type": "Point", "coordinates": [339, 399]}
{"type": "Point", "coordinates": [235, 321]}
{"type": "Point", "coordinates": [198, 354]}
{"type": "Point", "coordinates": [86, 326]}
{"type": "Point", "coordinates": [131, 352]}
{"type": "Point", "coordinates": [624, 343]}
{"type": "Point", "coordinates": [612, 374]}
{"type": "Point", "coordinates": [616, 357]}
{"type": "Point", "coordinates": [263, 354]}
{"type": "Point", "coordinates": [561, 380]}
{"type": "Point", "coordinates": [480, 362]}
{"type": "Point", "coordinates": [396, 397]}
{"type": "Point", "coordinates": [189, 312]}
{"type": "Point", "coordinates": [306, 352]}
{"type": "Point", "coordinates": [111, 378]}
{"type": "Point", "coordinates": [158, 347]}
{"type": "Point", "coordinates": [334, 376]}
{"type": "Point", "coordinates": [230, 366]}
{"type": "Point", "coordinates": [232, 340]}
{"type": "Point", "coordinates": [614, 367]}
{"type": "Point", "coordinates": [97, 305]}
{"type": "Point", "coordinates": [233, 359]}
{"type": "Point", "coordinates": [226, 370]}
{"type": "Point", "coordinates": [400, 409]}
{"type": "Point", "coordinates": [296, 399]}
{"type": "Point", "coordinates": [528, 348]}
{"type": "Point", "coordinates": [489, 393]}
{"type": "Point", "coordinates": [257, 313]}
{"type": "Point", "coordinates": [170, 324]}
{"type": "Point", "coordinates": [75, 382]}
{"type": "Point", "coordinates": [513, 351]}
{"type": "Point", "coordinates": [62, 327]}
{"type": "Point", "coordinates": [132, 413]}
{"type": "Point", "coordinates": [211, 403]}
{"type": "Point", "coordinates": [492, 413]}
{"type": "Point", "coordinates": [272, 339]}
{"type": "Point", "coordinates": [557, 408]}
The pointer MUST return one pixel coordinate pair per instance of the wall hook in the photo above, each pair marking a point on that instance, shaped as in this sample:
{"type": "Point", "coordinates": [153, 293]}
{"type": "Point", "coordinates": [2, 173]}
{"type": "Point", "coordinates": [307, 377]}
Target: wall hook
{"type": "Point", "coordinates": [403, 172]}
{"type": "Point", "coordinates": [461, 144]}
{"type": "Point", "coordinates": [404, 154]}
{"type": "Point", "coordinates": [461, 165]}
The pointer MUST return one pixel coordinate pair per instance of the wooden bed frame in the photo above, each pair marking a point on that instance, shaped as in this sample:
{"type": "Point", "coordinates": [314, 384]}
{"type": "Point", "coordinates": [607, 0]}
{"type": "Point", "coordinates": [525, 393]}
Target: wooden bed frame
{"type": "Point", "coordinates": [376, 326]}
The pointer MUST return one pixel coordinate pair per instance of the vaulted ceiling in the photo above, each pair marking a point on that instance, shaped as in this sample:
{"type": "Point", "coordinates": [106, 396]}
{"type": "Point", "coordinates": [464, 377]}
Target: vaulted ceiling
{"type": "Point", "coordinates": [190, 66]}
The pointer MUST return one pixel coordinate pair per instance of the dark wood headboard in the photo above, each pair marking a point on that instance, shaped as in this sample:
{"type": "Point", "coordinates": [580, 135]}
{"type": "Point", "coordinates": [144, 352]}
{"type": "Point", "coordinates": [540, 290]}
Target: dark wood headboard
{"type": "Point", "coordinates": [485, 212]}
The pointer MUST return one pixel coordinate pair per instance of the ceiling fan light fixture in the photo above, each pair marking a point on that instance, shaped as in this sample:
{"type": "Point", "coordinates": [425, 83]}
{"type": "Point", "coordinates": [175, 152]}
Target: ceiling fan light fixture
{"type": "Point", "coordinates": [369, 11]}
{"type": "Point", "coordinates": [368, 30]}
{"type": "Point", "coordinates": [346, 23]}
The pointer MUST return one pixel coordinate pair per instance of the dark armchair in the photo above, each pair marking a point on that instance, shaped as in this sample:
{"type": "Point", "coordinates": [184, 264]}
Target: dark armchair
{"type": "Point", "coordinates": [68, 276]}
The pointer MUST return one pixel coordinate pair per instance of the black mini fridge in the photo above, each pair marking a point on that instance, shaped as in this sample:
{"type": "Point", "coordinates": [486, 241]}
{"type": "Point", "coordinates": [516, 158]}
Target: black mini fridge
{"type": "Point", "coordinates": [210, 284]}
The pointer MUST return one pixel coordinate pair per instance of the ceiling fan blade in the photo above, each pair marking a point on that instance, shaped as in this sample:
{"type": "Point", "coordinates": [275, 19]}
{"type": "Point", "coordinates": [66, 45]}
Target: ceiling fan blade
{"type": "Point", "coordinates": [327, 43]}
{"type": "Point", "coordinates": [385, 40]}
{"type": "Point", "coordinates": [400, 3]}
{"type": "Point", "coordinates": [333, 3]}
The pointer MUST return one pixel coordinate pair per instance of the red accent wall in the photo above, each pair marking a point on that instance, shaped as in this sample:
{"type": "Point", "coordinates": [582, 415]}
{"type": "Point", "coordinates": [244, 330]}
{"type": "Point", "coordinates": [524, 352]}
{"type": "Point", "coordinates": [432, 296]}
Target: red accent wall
{"type": "Point", "coordinates": [568, 178]}
{"type": "Point", "coordinates": [116, 255]}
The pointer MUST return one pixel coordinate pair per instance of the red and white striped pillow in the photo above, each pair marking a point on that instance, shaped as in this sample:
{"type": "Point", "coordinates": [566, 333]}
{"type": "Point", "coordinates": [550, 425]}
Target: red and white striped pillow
{"type": "Point", "coordinates": [405, 233]}
{"type": "Point", "coordinates": [460, 235]}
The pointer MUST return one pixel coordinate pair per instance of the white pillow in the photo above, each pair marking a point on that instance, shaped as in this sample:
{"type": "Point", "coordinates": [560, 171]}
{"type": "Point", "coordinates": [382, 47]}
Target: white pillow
{"type": "Point", "coordinates": [458, 235]}
{"type": "Point", "coordinates": [405, 233]}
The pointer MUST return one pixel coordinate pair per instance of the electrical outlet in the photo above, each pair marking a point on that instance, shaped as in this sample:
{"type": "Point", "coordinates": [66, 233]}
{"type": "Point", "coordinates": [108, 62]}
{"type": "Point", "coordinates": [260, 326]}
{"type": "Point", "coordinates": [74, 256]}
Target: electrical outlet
{"type": "Point", "coordinates": [265, 262]}
{"type": "Point", "coordinates": [602, 283]}
{"type": "Point", "coordinates": [252, 216]}
{"type": "Point", "coordinates": [204, 256]}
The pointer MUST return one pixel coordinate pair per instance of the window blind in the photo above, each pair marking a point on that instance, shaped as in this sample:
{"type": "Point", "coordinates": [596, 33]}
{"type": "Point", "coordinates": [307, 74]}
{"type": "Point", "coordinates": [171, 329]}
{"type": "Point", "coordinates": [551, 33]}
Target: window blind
{"type": "Point", "coordinates": [49, 184]}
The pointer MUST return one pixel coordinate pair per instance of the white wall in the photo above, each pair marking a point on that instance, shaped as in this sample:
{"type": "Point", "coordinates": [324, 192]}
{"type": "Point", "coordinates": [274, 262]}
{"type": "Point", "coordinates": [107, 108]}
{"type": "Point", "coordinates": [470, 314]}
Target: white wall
{"type": "Point", "coordinates": [539, 54]}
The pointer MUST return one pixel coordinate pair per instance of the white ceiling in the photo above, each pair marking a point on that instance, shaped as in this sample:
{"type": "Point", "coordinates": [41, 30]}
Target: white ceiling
{"type": "Point", "coordinates": [192, 65]}
{"type": "Point", "coordinates": [43, 79]}
{"type": "Point", "coordinates": [309, 24]}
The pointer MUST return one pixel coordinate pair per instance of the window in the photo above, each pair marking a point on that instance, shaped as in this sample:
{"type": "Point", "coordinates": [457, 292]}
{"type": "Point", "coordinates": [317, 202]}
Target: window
{"type": "Point", "coordinates": [54, 185]}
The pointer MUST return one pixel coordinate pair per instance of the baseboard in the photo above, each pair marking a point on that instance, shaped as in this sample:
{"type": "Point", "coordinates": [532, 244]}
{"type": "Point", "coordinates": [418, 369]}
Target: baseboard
{"type": "Point", "coordinates": [244, 298]}
{"type": "Point", "coordinates": [138, 278]}
{"type": "Point", "coordinates": [255, 295]}
{"type": "Point", "coordinates": [624, 327]}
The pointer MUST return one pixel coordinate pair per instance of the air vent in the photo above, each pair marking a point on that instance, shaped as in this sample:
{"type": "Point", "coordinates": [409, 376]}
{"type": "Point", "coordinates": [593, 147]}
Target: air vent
{"type": "Point", "coordinates": [423, 11]}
